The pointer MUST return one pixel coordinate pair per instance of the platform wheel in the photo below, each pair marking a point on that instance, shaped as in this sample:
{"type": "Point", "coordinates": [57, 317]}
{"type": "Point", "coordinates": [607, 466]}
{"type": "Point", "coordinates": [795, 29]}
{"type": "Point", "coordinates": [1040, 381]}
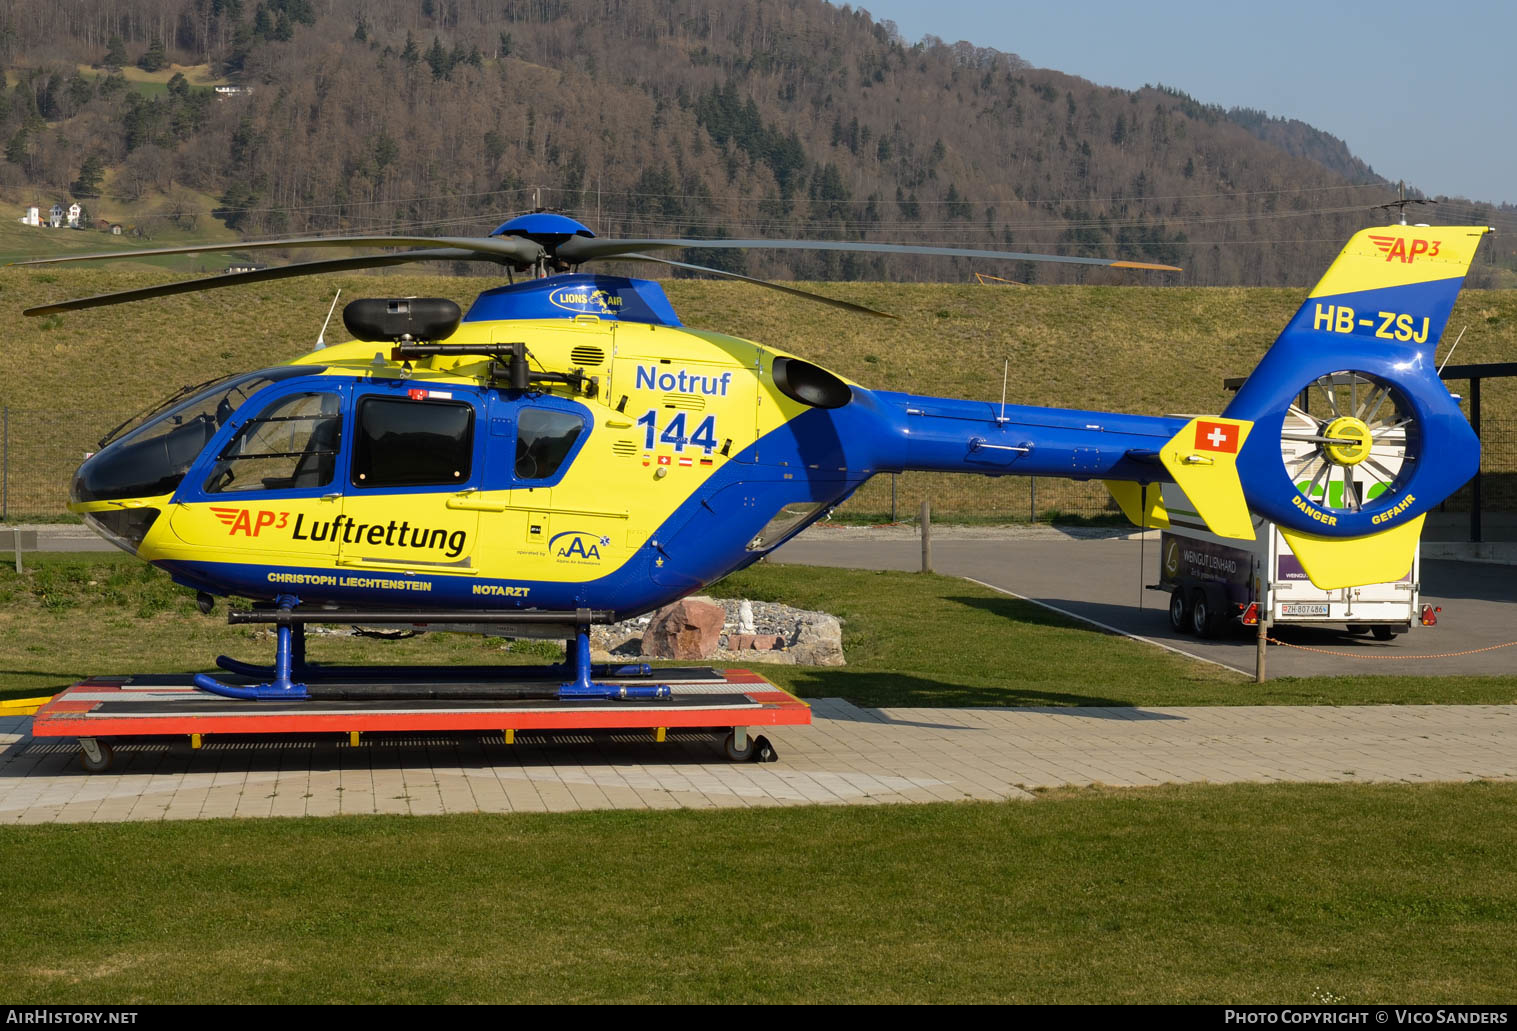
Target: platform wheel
{"type": "Point", "coordinates": [95, 755]}
{"type": "Point", "coordinates": [754, 750]}
{"type": "Point", "coordinates": [1179, 611]}
{"type": "Point", "coordinates": [1383, 632]}
{"type": "Point", "coordinates": [736, 754]}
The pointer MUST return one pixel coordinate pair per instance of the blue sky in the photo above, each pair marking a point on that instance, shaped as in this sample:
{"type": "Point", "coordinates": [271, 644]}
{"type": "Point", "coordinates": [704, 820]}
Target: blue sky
{"type": "Point", "coordinates": [1422, 91]}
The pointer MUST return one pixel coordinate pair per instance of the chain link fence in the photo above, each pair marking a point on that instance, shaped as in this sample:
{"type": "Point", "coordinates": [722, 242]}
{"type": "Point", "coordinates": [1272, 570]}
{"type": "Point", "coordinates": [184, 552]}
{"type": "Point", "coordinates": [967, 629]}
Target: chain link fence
{"type": "Point", "coordinates": [40, 449]}
{"type": "Point", "coordinates": [1456, 519]}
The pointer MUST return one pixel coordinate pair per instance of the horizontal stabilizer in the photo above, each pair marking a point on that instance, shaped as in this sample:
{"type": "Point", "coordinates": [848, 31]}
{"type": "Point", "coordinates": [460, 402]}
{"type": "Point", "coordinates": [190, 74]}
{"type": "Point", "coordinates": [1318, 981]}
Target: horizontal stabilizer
{"type": "Point", "coordinates": [1203, 459]}
{"type": "Point", "coordinates": [1333, 562]}
{"type": "Point", "coordinates": [1142, 504]}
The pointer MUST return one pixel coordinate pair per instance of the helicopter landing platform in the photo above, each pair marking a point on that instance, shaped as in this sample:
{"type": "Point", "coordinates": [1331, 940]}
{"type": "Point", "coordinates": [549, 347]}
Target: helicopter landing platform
{"type": "Point", "coordinates": [106, 709]}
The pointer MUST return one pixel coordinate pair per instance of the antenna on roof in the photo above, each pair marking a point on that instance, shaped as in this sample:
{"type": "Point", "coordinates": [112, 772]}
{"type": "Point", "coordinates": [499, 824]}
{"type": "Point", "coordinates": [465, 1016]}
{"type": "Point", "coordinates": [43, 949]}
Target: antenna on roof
{"type": "Point", "coordinates": [321, 338]}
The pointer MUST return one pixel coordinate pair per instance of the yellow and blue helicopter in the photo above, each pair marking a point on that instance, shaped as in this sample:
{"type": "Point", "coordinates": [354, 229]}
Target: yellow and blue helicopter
{"type": "Point", "coordinates": [567, 451]}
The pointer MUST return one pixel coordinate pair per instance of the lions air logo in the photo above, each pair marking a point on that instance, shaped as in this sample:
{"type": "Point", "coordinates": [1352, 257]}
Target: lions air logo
{"type": "Point", "coordinates": [577, 546]}
{"type": "Point", "coordinates": [586, 301]}
{"type": "Point", "coordinates": [1395, 247]}
{"type": "Point", "coordinates": [243, 521]}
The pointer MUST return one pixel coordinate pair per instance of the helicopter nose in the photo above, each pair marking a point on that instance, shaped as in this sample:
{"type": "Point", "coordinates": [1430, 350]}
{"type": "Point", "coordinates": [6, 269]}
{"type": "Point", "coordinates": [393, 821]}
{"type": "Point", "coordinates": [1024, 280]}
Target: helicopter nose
{"type": "Point", "coordinates": [124, 527]}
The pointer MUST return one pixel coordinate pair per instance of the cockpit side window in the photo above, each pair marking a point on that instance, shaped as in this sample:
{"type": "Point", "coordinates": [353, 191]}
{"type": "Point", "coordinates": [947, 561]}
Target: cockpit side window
{"type": "Point", "coordinates": [153, 455]}
{"type": "Point", "coordinates": [292, 444]}
{"type": "Point", "coordinates": [544, 439]}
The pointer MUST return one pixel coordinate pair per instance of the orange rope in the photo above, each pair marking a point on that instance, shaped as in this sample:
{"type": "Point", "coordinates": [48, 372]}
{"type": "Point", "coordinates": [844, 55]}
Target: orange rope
{"type": "Point", "coordinates": [1357, 655]}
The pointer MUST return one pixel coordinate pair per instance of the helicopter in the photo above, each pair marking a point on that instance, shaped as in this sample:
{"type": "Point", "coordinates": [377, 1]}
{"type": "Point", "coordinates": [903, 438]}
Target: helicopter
{"type": "Point", "coordinates": [567, 451]}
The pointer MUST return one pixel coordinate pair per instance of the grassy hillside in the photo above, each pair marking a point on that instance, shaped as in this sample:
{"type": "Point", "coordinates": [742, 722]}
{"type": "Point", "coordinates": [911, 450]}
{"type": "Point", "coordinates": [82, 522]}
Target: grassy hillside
{"type": "Point", "coordinates": [1098, 347]}
{"type": "Point", "coordinates": [20, 242]}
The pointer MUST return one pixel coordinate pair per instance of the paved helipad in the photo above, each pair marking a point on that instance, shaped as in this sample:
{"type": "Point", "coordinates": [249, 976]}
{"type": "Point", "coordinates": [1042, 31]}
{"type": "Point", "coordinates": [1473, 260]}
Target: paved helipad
{"type": "Point", "coordinates": [849, 756]}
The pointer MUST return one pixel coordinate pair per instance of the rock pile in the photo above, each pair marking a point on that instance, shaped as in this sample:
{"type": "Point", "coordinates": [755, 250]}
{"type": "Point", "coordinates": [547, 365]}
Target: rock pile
{"type": "Point", "coordinates": [726, 630]}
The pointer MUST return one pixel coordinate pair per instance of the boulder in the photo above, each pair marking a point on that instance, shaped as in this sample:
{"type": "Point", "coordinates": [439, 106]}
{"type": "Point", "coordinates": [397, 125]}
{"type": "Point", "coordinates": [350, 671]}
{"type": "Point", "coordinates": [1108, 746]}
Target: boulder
{"type": "Point", "coordinates": [819, 642]}
{"type": "Point", "coordinates": [688, 629]}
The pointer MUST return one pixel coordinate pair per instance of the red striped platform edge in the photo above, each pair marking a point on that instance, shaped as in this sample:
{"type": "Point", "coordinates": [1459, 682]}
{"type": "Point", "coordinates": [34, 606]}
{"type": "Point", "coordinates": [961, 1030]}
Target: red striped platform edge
{"type": "Point", "coordinates": [64, 717]}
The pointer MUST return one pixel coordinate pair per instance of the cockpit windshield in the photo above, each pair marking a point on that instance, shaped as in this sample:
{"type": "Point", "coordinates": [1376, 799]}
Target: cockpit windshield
{"type": "Point", "coordinates": [153, 457]}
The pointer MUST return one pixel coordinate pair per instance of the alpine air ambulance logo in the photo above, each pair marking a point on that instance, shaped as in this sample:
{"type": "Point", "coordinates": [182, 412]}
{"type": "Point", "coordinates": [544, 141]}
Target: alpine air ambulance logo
{"type": "Point", "coordinates": [578, 546]}
{"type": "Point", "coordinates": [1395, 248]}
{"type": "Point", "coordinates": [1217, 436]}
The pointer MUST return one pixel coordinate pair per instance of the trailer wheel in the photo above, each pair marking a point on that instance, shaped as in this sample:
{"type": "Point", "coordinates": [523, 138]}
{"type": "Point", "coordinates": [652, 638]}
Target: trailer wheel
{"type": "Point", "coordinates": [1179, 611]}
{"type": "Point", "coordinates": [1203, 614]}
{"type": "Point", "coordinates": [1383, 632]}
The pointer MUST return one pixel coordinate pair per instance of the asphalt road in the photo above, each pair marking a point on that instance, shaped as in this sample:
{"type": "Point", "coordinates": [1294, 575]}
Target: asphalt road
{"type": "Point", "coordinates": [1100, 580]}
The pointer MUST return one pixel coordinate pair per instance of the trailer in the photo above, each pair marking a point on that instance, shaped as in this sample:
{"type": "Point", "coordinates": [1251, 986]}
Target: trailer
{"type": "Point", "coordinates": [1215, 583]}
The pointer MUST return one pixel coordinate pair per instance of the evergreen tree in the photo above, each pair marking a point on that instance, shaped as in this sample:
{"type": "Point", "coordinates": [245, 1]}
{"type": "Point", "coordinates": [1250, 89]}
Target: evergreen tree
{"type": "Point", "coordinates": [15, 150]}
{"type": "Point", "coordinates": [90, 174]}
{"type": "Point", "coordinates": [154, 57]}
{"type": "Point", "coordinates": [115, 53]}
{"type": "Point", "coordinates": [437, 57]}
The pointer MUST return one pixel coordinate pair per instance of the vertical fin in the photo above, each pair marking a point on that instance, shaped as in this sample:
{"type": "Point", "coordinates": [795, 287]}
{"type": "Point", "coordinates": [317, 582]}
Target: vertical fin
{"type": "Point", "coordinates": [1332, 562]}
{"type": "Point", "coordinates": [1131, 500]}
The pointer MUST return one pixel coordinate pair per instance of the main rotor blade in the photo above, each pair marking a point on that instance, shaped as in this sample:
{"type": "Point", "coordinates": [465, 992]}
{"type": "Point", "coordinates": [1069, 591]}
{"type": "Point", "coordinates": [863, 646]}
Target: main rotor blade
{"type": "Point", "coordinates": [580, 249]}
{"type": "Point", "coordinates": [305, 268]}
{"type": "Point", "coordinates": [517, 249]}
{"type": "Point", "coordinates": [808, 295]}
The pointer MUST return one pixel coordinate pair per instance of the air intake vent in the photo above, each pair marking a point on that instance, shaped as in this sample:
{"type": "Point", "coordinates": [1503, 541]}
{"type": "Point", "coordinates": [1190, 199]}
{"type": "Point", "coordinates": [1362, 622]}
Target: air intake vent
{"type": "Point", "coordinates": [624, 447]}
{"type": "Point", "coordinates": [685, 402]}
{"type": "Point", "coordinates": [587, 356]}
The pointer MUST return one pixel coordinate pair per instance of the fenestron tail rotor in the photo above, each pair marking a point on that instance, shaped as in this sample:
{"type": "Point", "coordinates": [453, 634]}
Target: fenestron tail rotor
{"type": "Point", "coordinates": [540, 243]}
{"type": "Point", "coordinates": [1349, 438]}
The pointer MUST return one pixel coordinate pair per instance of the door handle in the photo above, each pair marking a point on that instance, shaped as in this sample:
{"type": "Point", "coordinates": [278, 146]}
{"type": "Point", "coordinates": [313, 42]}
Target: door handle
{"type": "Point", "coordinates": [468, 502]}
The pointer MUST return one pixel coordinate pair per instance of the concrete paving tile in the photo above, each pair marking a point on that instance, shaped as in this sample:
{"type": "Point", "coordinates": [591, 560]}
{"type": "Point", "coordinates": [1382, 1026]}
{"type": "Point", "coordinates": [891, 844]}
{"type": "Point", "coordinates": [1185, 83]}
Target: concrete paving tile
{"type": "Point", "coordinates": [849, 755]}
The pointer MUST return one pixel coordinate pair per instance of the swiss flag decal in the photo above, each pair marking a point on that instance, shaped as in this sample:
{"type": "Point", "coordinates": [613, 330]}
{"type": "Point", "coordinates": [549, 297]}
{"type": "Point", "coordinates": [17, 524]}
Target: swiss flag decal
{"type": "Point", "coordinates": [1216, 436]}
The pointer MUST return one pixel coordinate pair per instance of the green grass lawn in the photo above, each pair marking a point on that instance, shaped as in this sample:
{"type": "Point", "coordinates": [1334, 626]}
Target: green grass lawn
{"type": "Point", "coordinates": [1266, 894]}
{"type": "Point", "coordinates": [1246, 893]}
{"type": "Point", "coordinates": [910, 640]}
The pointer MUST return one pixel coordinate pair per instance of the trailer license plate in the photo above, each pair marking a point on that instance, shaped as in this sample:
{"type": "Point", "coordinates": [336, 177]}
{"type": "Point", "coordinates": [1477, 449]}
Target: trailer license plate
{"type": "Point", "coordinates": [1303, 609]}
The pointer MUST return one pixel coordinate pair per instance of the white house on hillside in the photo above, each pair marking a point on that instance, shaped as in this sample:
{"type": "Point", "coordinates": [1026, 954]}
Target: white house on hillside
{"type": "Point", "coordinates": [33, 216]}
{"type": "Point", "coordinates": [55, 216]}
{"type": "Point", "coordinates": [73, 216]}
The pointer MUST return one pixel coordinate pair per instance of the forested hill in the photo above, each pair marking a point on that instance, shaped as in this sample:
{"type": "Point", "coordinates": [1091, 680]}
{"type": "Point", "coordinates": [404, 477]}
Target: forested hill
{"type": "Point", "coordinates": [694, 117]}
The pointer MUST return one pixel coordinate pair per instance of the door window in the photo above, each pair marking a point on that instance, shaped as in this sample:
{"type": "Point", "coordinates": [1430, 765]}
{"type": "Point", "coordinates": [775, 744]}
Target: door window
{"type": "Point", "coordinates": [404, 443]}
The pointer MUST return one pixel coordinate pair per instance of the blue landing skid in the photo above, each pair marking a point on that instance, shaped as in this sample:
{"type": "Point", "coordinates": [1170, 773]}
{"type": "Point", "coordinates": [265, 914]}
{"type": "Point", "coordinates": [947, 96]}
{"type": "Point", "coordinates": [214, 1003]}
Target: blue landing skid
{"type": "Point", "coordinates": [316, 671]}
{"type": "Point", "coordinates": [583, 687]}
{"type": "Point", "coordinates": [282, 688]}
{"type": "Point", "coordinates": [289, 663]}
